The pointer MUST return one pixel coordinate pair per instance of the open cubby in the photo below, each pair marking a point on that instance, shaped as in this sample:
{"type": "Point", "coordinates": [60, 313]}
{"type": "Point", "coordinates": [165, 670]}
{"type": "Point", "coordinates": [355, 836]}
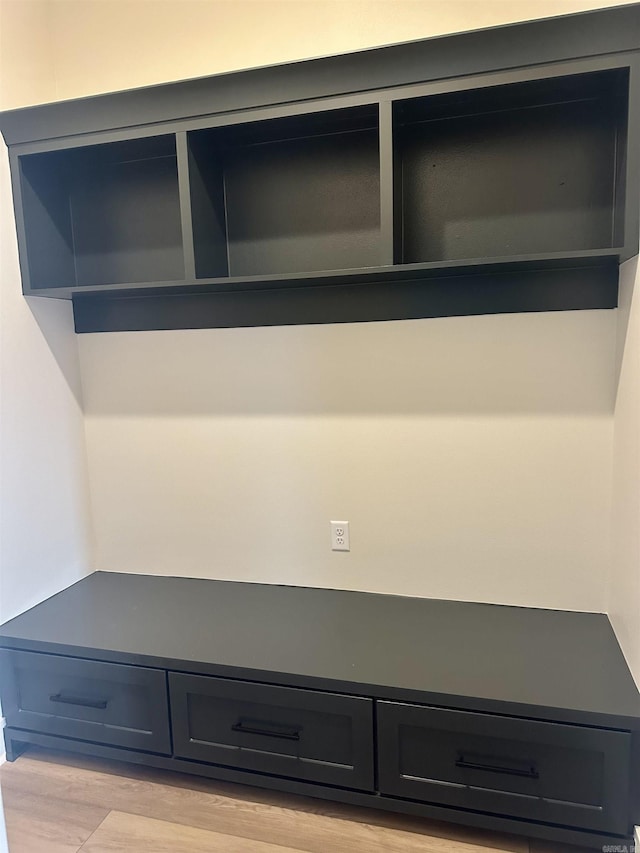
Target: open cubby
{"type": "Point", "coordinates": [519, 169]}
{"type": "Point", "coordinates": [103, 214]}
{"type": "Point", "coordinates": [289, 195]}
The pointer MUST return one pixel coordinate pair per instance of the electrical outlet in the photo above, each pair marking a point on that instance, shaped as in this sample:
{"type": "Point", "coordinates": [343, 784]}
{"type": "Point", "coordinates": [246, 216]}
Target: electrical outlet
{"type": "Point", "coordinates": [340, 536]}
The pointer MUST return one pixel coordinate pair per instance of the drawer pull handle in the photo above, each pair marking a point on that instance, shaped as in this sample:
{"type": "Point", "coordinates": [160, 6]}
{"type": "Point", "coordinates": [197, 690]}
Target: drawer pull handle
{"type": "Point", "coordinates": [510, 766]}
{"type": "Point", "coordinates": [100, 704]}
{"type": "Point", "coordinates": [257, 727]}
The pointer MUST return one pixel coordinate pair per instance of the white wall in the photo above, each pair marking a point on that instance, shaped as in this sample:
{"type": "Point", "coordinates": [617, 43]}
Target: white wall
{"type": "Point", "coordinates": [471, 455]}
{"type": "Point", "coordinates": [623, 593]}
{"type": "Point", "coordinates": [43, 479]}
{"type": "Point", "coordinates": [105, 45]}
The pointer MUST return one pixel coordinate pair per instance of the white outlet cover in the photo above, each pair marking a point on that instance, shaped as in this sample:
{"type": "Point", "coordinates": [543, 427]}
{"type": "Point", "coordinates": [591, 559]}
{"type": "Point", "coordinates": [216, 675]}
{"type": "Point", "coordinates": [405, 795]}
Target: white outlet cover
{"type": "Point", "coordinates": [340, 536]}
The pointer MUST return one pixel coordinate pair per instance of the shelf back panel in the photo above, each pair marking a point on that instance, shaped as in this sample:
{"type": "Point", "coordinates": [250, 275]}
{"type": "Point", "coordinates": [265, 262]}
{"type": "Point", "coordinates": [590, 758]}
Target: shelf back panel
{"type": "Point", "coordinates": [126, 223]}
{"type": "Point", "coordinates": [304, 204]}
{"type": "Point", "coordinates": [539, 178]}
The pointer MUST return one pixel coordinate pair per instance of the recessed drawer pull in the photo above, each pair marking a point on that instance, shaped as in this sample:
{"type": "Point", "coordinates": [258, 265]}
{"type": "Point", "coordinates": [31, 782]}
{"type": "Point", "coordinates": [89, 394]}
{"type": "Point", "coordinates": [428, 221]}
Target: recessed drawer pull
{"type": "Point", "coordinates": [510, 766]}
{"type": "Point", "coordinates": [100, 704]}
{"type": "Point", "coordinates": [257, 727]}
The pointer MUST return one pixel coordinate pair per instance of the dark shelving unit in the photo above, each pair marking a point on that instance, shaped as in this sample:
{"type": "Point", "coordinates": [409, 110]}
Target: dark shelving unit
{"type": "Point", "coordinates": [103, 214]}
{"type": "Point", "coordinates": [487, 172]}
{"type": "Point", "coordinates": [291, 195]}
{"type": "Point", "coordinates": [511, 170]}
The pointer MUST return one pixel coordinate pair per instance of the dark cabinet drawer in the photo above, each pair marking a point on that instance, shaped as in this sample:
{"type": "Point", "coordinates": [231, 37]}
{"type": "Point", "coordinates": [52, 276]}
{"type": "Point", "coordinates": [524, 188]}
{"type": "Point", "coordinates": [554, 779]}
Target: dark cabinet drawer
{"type": "Point", "coordinates": [90, 700]}
{"type": "Point", "coordinates": [562, 774]}
{"type": "Point", "coordinates": [302, 734]}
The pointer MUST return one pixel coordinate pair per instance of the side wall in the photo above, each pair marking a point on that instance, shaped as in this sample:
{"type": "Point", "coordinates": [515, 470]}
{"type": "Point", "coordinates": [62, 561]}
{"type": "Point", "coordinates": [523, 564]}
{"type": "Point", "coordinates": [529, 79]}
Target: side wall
{"type": "Point", "coordinates": [623, 592]}
{"type": "Point", "coordinates": [44, 508]}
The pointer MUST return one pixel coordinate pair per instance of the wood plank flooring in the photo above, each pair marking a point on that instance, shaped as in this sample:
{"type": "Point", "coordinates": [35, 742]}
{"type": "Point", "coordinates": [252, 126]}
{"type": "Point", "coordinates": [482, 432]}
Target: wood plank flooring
{"type": "Point", "coordinates": [62, 803]}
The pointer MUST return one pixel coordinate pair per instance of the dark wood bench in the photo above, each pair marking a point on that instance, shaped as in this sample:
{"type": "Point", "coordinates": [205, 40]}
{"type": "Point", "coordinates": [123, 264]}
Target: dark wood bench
{"type": "Point", "coordinates": [509, 718]}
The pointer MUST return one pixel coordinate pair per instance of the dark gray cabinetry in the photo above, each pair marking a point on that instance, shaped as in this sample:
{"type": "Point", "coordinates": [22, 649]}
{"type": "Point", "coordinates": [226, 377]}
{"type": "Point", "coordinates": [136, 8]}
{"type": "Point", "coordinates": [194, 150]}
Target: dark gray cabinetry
{"type": "Point", "coordinates": [572, 775]}
{"type": "Point", "coordinates": [301, 734]}
{"type": "Point", "coordinates": [290, 195]}
{"type": "Point", "coordinates": [103, 214]}
{"type": "Point", "coordinates": [367, 699]}
{"type": "Point", "coordinates": [103, 702]}
{"type": "Point", "coordinates": [502, 179]}
{"type": "Point", "coordinates": [525, 168]}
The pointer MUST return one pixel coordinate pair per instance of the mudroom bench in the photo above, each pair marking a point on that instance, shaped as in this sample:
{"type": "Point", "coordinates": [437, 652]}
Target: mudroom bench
{"type": "Point", "coordinates": [509, 718]}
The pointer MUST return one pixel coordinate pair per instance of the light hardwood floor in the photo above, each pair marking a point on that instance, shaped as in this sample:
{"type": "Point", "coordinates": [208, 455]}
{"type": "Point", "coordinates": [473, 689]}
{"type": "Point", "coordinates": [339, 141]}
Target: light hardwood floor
{"type": "Point", "coordinates": [58, 803]}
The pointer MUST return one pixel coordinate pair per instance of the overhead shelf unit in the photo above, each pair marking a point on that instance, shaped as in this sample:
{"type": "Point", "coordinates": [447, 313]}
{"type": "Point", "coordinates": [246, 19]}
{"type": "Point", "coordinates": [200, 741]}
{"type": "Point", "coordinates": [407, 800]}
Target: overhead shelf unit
{"type": "Point", "coordinates": [416, 189]}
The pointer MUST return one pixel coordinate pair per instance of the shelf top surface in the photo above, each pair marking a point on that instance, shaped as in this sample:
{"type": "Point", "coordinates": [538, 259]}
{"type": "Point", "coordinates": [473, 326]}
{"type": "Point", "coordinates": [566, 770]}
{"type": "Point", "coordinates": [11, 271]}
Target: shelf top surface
{"type": "Point", "coordinates": [578, 258]}
{"type": "Point", "coordinates": [452, 651]}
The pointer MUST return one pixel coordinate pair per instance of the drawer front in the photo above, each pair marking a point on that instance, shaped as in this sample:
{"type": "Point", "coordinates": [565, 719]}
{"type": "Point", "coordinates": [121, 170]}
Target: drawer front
{"type": "Point", "coordinates": [563, 774]}
{"type": "Point", "coordinates": [90, 700]}
{"type": "Point", "coordinates": [301, 734]}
